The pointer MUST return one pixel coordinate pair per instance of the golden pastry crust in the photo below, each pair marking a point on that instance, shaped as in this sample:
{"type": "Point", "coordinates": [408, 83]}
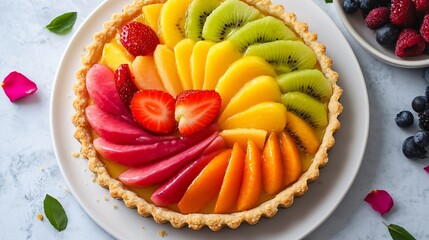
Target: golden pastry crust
{"type": "Point", "coordinates": [196, 221]}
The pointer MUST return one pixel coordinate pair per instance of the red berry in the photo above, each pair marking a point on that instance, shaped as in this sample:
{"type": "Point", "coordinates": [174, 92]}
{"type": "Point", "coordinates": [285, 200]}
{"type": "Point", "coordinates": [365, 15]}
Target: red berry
{"type": "Point", "coordinates": [154, 110]}
{"type": "Point", "coordinates": [377, 17]}
{"type": "Point", "coordinates": [409, 43]}
{"type": "Point", "coordinates": [422, 5]}
{"type": "Point", "coordinates": [403, 13]}
{"type": "Point", "coordinates": [124, 84]}
{"type": "Point", "coordinates": [138, 38]}
{"type": "Point", "coordinates": [196, 109]}
{"type": "Point", "coordinates": [424, 28]}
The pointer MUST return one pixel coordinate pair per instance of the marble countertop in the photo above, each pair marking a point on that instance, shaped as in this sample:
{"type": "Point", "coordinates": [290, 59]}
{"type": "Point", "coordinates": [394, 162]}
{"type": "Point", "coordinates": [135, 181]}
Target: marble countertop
{"type": "Point", "coordinates": [29, 170]}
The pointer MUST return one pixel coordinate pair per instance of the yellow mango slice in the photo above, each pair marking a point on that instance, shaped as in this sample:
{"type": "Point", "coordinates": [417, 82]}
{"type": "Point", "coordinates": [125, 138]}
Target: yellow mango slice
{"type": "Point", "coordinates": [166, 65]}
{"type": "Point", "coordinates": [198, 62]}
{"type": "Point", "coordinates": [241, 135]}
{"type": "Point", "coordinates": [145, 74]}
{"type": "Point", "coordinates": [151, 15]}
{"type": "Point", "coordinates": [269, 116]}
{"type": "Point", "coordinates": [240, 72]}
{"type": "Point", "coordinates": [219, 59]}
{"type": "Point", "coordinates": [258, 90]}
{"type": "Point", "coordinates": [114, 54]}
{"type": "Point", "coordinates": [172, 21]}
{"type": "Point", "coordinates": [183, 53]}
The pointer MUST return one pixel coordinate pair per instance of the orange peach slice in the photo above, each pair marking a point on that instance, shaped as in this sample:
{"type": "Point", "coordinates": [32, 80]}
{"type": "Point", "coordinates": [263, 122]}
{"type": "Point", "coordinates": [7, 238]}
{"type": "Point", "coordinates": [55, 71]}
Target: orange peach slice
{"type": "Point", "coordinates": [251, 186]}
{"type": "Point", "coordinates": [206, 186]}
{"type": "Point", "coordinates": [231, 185]}
{"type": "Point", "coordinates": [291, 159]}
{"type": "Point", "coordinates": [272, 165]}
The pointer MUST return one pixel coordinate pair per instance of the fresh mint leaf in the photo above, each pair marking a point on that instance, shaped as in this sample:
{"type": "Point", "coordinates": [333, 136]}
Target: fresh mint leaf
{"type": "Point", "coordinates": [399, 233]}
{"type": "Point", "coordinates": [63, 23]}
{"type": "Point", "coordinates": [55, 213]}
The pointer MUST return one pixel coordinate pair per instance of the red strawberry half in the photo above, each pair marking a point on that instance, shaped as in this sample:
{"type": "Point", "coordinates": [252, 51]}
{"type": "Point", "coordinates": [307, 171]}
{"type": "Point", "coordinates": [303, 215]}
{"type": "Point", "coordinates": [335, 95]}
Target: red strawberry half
{"type": "Point", "coordinates": [196, 109]}
{"type": "Point", "coordinates": [138, 39]}
{"type": "Point", "coordinates": [124, 84]}
{"type": "Point", "coordinates": [154, 110]}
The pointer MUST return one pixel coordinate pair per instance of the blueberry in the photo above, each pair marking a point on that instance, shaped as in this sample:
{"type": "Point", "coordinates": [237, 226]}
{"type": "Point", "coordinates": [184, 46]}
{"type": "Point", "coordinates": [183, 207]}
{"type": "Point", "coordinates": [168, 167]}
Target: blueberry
{"type": "Point", "coordinates": [426, 74]}
{"type": "Point", "coordinates": [419, 104]}
{"type": "Point", "coordinates": [387, 35]}
{"type": "Point", "coordinates": [411, 150]}
{"type": "Point", "coordinates": [404, 119]}
{"type": "Point", "coordinates": [367, 5]}
{"type": "Point", "coordinates": [421, 138]}
{"type": "Point", "coordinates": [350, 6]}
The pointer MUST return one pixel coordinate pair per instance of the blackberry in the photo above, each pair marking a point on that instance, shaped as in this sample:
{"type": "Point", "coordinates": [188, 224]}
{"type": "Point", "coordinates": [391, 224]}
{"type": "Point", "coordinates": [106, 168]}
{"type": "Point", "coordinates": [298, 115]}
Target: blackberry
{"type": "Point", "coordinates": [424, 122]}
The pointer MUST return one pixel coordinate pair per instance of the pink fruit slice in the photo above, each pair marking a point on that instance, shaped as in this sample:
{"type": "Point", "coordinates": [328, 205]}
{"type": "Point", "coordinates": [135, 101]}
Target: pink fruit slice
{"type": "Point", "coordinates": [100, 82]}
{"type": "Point", "coordinates": [160, 171]}
{"type": "Point", "coordinates": [137, 155]}
{"type": "Point", "coordinates": [172, 190]}
{"type": "Point", "coordinates": [119, 129]}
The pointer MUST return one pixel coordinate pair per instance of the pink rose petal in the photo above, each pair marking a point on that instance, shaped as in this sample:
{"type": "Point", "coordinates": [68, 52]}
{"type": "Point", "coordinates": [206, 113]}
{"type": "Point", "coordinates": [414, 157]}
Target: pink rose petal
{"type": "Point", "coordinates": [16, 86]}
{"type": "Point", "coordinates": [380, 201]}
{"type": "Point", "coordinates": [426, 169]}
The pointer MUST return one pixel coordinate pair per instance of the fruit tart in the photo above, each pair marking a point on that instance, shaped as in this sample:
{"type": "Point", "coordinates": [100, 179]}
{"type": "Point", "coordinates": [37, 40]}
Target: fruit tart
{"type": "Point", "coordinates": [206, 112]}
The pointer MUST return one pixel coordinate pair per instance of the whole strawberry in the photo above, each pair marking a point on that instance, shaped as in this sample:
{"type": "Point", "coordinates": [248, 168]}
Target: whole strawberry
{"type": "Point", "coordinates": [377, 17]}
{"type": "Point", "coordinates": [409, 43]}
{"type": "Point", "coordinates": [424, 28]}
{"type": "Point", "coordinates": [403, 13]}
{"type": "Point", "coordinates": [124, 84]}
{"type": "Point", "coordinates": [138, 39]}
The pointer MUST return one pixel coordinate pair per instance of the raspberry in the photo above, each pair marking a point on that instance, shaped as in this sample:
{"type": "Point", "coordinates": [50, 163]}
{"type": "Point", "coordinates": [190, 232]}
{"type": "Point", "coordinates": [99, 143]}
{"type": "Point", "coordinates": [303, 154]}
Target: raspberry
{"type": "Point", "coordinates": [377, 17]}
{"type": "Point", "coordinates": [409, 43]}
{"type": "Point", "coordinates": [403, 13]}
{"type": "Point", "coordinates": [424, 28]}
{"type": "Point", "coordinates": [422, 5]}
{"type": "Point", "coordinates": [138, 39]}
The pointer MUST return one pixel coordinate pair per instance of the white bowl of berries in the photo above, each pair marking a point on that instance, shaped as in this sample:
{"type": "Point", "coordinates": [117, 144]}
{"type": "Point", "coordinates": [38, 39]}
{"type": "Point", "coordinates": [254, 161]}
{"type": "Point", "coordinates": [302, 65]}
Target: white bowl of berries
{"type": "Point", "coordinates": [394, 31]}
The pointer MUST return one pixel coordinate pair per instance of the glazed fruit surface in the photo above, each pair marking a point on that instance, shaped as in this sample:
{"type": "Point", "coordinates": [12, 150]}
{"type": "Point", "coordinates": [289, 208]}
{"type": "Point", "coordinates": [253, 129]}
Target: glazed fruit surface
{"type": "Point", "coordinates": [205, 119]}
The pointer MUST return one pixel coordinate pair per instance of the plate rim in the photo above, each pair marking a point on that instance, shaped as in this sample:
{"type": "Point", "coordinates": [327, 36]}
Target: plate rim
{"type": "Point", "coordinates": [54, 133]}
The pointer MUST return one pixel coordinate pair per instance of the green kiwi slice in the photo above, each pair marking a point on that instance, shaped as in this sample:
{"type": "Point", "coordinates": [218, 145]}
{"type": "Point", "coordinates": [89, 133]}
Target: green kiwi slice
{"type": "Point", "coordinates": [306, 107]}
{"type": "Point", "coordinates": [227, 18]}
{"type": "Point", "coordinates": [284, 55]}
{"type": "Point", "coordinates": [196, 16]}
{"type": "Point", "coordinates": [309, 81]}
{"type": "Point", "coordinates": [266, 29]}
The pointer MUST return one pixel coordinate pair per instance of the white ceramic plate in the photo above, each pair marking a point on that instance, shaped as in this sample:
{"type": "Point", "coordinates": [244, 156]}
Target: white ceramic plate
{"type": "Point", "coordinates": [365, 37]}
{"type": "Point", "coordinates": [307, 212]}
